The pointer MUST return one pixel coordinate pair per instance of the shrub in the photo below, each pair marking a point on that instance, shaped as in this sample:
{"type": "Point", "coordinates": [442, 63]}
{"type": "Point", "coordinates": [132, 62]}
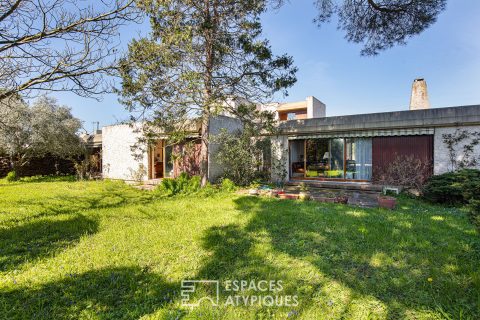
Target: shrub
{"type": "Point", "coordinates": [11, 176]}
{"type": "Point", "coordinates": [243, 156]}
{"type": "Point", "coordinates": [406, 171]}
{"type": "Point", "coordinates": [457, 187]}
{"type": "Point", "coordinates": [228, 185]}
{"type": "Point", "coordinates": [475, 211]}
{"type": "Point", "coordinates": [183, 184]}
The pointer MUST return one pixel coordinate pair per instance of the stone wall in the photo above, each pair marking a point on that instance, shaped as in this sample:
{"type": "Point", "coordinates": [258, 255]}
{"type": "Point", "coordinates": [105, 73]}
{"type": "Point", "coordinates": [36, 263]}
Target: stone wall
{"type": "Point", "coordinates": [280, 158]}
{"type": "Point", "coordinates": [441, 156]}
{"type": "Point", "coordinates": [118, 160]}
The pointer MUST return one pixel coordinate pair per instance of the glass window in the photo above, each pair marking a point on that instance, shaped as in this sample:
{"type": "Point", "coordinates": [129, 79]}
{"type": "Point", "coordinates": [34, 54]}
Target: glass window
{"type": "Point", "coordinates": [318, 163]}
{"type": "Point", "coordinates": [291, 116]}
{"type": "Point", "coordinates": [297, 158]}
{"type": "Point", "coordinates": [359, 159]}
{"type": "Point", "coordinates": [168, 162]}
{"type": "Point", "coordinates": [336, 158]}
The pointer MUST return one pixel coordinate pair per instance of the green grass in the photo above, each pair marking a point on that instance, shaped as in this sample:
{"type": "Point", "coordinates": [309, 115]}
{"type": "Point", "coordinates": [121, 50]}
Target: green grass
{"type": "Point", "coordinates": [103, 250]}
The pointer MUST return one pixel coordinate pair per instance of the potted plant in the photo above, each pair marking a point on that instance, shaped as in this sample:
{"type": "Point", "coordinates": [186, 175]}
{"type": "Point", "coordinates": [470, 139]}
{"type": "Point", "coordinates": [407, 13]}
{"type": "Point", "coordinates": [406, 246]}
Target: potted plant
{"type": "Point", "coordinates": [387, 202]}
{"type": "Point", "coordinates": [341, 198]}
{"type": "Point", "coordinates": [253, 191]}
{"type": "Point", "coordinates": [304, 194]}
{"type": "Point", "coordinates": [273, 193]}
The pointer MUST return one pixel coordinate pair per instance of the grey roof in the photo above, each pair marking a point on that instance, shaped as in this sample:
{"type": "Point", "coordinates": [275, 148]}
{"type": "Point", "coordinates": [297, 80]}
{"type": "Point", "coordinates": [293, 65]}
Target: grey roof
{"type": "Point", "coordinates": [428, 118]}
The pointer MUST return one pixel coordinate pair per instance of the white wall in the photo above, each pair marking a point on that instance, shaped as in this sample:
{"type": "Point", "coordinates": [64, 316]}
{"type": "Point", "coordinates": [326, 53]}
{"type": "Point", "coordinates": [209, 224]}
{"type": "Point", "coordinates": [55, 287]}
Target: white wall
{"type": "Point", "coordinates": [117, 157]}
{"type": "Point", "coordinates": [441, 154]}
{"type": "Point", "coordinates": [315, 108]}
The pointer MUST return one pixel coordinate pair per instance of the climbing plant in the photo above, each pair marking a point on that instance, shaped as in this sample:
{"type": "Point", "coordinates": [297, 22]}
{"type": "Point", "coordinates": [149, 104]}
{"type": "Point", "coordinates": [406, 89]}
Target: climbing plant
{"type": "Point", "coordinates": [463, 141]}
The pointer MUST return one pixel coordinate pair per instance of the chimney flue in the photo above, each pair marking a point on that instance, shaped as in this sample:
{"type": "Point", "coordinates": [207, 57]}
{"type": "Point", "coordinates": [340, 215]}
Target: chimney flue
{"type": "Point", "coordinates": [419, 98]}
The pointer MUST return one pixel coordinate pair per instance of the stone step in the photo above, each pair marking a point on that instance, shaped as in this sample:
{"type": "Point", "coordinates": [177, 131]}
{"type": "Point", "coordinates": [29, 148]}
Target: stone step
{"type": "Point", "coordinates": [337, 185]}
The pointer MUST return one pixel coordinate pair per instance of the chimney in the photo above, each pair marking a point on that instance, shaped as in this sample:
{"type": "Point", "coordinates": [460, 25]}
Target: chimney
{"type": "Point", "coordinates": [419, 98]}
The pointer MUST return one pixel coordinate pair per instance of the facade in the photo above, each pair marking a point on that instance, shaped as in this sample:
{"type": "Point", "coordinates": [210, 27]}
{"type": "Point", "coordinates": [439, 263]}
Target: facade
{"type": "Point", "coordinates": [358, 148]}
{"type": "Point", "coordinates": [309, 145]}
{"type": "Point", "coordinates": [124, 158]}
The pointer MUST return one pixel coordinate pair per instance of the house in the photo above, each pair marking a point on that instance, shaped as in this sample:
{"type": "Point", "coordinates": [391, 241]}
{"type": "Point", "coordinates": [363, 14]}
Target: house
{"type": "Point", "coordinates": [358, 148]}
{"type": "Point", "coordinates": [309, 145]}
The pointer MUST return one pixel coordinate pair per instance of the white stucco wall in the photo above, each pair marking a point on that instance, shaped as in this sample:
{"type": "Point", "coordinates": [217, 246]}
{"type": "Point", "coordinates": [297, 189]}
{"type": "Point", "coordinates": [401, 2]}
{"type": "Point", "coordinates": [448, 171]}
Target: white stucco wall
{"type": "Point", "coordinates": [117, 156]}
{"type": "Point", "coordinates": [441, 155]}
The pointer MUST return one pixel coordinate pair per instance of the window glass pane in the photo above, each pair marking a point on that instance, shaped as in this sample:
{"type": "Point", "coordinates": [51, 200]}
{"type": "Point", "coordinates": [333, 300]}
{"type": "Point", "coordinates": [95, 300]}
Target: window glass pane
{"type": "Point", "coordinates": [336, 158]}
{"type": "Point", "coordinates": [359, 159]}
{"type": "Point", "coordinates": [291, 116]}
{"type": "Point", "coordinates": [168, 162]}
{"type": "Point", "coordinates": [297, 158]}
{"type": "Point", "coordinates": [317, 158]}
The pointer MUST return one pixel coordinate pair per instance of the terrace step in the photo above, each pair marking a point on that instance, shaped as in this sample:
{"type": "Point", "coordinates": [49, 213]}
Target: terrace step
{"type": "Point", "coordinates": [338, 185]}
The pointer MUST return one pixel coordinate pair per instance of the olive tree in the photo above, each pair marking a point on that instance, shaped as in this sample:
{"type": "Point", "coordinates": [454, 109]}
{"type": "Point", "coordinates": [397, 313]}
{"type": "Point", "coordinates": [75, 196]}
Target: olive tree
{"type": "Point", "coordinates": [45, 128]}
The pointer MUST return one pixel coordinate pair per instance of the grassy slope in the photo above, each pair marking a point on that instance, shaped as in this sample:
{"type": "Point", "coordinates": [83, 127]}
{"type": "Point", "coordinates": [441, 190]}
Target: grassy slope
{"type": "Point", "coordinates": [105, 250]}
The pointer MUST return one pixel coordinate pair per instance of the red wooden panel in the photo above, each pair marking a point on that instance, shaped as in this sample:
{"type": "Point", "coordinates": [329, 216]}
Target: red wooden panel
{"type": "Point", "coordinates": [386, 149]}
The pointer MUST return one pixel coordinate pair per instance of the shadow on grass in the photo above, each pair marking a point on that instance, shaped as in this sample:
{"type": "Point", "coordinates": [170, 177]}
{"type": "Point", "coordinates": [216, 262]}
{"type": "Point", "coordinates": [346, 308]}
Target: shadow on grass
{"type": "Point", "coordinates": [375, 253]}
{"type": "Point", "coordinates": [110, 195]}
{"type": "Point", "coordinates": [111, 293]}
{"type": "Point", "coordinates": [42, 238]}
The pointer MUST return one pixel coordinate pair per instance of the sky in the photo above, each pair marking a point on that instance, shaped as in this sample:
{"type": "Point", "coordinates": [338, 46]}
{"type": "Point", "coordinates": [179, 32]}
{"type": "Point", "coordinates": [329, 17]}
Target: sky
{"type": "Point", "coordinates": [447, 56]}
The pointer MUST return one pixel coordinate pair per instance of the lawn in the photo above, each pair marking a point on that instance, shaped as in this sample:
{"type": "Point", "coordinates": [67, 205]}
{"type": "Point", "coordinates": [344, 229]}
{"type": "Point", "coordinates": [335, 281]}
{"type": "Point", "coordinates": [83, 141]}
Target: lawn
{"type": "Point", "coordinates": [104, 250]}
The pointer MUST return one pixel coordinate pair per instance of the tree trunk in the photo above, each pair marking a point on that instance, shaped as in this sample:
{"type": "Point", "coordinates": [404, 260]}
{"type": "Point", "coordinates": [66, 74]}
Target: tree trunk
{"type": "Point", "coordinates": [204, 150]}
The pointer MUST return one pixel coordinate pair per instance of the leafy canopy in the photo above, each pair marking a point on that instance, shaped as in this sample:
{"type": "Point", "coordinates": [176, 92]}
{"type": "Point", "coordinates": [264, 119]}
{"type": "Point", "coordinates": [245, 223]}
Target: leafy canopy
{"type": "Point", "coordinates": [44, 128]}
{"type": "Point", "coordinates": [201, 59]}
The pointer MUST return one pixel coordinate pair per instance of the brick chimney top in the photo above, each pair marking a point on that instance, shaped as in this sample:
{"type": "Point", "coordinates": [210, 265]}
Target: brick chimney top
{"type": "Point", "coordinates": [419, 98]}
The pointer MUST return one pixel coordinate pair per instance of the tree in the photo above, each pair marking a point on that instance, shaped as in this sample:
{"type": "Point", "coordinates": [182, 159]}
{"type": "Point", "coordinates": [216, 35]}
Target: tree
{"type": "Point", "coordinates": [243, 155]}
{"type": "Point", "coordinates": [43, 129]}
{"type": "Point", "coordinates": [380, 24]}
{"type": "Point", "coordinates": [203, 58]}
{"type": "Point", "coordinates": [59, 45]}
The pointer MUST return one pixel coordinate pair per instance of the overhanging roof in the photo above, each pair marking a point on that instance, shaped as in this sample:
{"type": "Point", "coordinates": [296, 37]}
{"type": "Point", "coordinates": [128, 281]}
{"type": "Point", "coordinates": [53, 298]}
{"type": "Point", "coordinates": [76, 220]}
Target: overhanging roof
{"type": "Point", "coordinates": [429, 118]}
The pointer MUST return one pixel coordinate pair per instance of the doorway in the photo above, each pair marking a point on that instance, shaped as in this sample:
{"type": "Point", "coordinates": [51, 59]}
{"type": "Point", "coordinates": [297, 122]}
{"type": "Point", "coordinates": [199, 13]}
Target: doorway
{"type": "Point", "coordinates": [160, 161]}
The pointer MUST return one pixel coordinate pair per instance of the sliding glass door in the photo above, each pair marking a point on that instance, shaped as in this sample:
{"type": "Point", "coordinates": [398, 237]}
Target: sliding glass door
{"type": "Point", "coordinates": [332, 158]}
{"type": "Point", "coordinates": [358, 159]}
{"type": "Point", "coordinates": [318, 159]}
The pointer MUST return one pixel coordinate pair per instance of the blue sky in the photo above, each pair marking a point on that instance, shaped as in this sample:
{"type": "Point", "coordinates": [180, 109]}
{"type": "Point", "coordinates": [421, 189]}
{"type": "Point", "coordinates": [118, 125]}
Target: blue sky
{"type": "Point", "coordinates": [447, 55]}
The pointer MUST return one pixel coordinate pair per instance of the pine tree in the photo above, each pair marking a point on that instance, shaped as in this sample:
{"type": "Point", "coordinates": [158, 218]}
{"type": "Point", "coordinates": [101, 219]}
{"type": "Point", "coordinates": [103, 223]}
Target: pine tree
{"type": "Point", "coordinates": [200, 56]}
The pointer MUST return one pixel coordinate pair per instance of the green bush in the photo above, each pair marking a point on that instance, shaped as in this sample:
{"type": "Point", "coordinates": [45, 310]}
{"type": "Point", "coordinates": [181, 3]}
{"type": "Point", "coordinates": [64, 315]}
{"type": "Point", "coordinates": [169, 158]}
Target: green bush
{"type": "Point", "coordinates": [475, 211]}
{"type": "Point", "coordinates": [11, 176]}
{"type": "Point", "coordinates": [183, 184]}
{"type": "Point", "coordinates": [457, 187]}
{"type": "Point", "coordinates": [228, 185]}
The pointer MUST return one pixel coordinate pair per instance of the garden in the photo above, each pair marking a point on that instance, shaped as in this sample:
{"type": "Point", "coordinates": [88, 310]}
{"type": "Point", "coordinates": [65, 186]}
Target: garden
{"type": "Point", "coordinates": [105, 250]}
